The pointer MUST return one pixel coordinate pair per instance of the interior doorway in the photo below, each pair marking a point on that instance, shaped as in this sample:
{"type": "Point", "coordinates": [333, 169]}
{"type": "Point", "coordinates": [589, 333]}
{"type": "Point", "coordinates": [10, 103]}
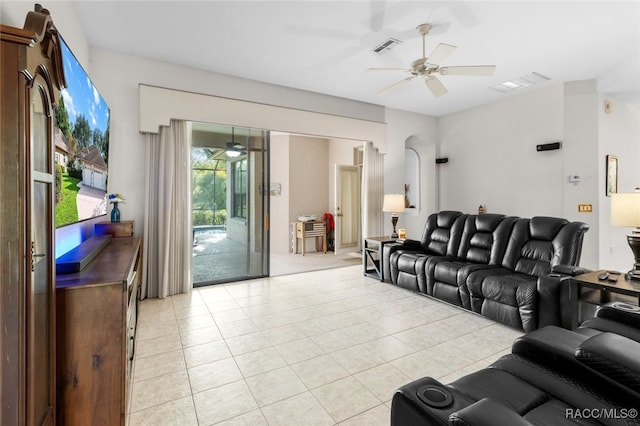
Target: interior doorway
{"type": "Point", "coordinates": [230, 203]}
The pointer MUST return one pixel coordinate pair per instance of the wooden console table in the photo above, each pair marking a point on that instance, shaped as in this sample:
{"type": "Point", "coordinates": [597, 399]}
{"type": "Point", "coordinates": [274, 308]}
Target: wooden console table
{"type": "Point", "coordinates": [96, 325]}
{"type": "Point", "coordinates": [304, 230]}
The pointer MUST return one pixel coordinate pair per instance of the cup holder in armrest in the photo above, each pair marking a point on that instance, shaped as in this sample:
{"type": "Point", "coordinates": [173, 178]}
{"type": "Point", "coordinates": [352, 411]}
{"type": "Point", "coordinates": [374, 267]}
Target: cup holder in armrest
{"type": "Point", "coordinates": [625, 307]}
{"type": "Point", "coordinates": [435, 396]}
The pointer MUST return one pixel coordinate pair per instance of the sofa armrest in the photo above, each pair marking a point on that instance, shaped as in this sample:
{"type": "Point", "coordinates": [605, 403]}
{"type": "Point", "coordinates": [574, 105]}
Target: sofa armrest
{"type": "Point", "coordinates": [553, 296]}
{"type": "Point", "coordinates": [486, 412]}
{"type": "Point", "coordinates": [412, 244]}
{"type": "Point", "coordinates": [620, 312]}
{"type": "Point", "coordinates": [569, 270]}
{"type": "Point", "coordinates": [613, 356]}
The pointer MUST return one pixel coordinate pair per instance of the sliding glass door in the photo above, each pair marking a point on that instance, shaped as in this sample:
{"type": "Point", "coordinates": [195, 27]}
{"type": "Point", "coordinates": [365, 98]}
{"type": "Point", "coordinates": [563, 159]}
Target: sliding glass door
{"type": "Point", "coordinates": [230, 203]}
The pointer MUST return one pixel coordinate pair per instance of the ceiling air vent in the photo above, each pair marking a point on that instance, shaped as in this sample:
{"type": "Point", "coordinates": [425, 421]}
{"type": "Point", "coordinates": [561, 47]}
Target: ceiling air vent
{"type": "Point", "coordinates": [386, 45]}
{"type": "Point", "coordinates": [520, 82]}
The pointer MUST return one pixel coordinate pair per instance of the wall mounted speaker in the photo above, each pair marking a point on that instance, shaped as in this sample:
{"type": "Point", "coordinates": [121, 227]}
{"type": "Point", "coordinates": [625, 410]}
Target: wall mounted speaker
{"type": "Point", "coordinates": [442, 160]}
{"type": "Point", "coordinates": [548, 146]}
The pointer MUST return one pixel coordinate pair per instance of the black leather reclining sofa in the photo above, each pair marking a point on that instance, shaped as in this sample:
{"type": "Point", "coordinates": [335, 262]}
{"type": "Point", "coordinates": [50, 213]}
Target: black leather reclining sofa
{"type": "Point", "coordinates": [506, 268]}
{"type": "Point", "coordinates": [554, 376]}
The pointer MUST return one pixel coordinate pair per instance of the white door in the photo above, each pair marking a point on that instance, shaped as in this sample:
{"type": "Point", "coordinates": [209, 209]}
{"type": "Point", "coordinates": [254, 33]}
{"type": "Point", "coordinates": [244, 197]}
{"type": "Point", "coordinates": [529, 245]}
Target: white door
{"type": "Point", "coordinates": [347, 214]}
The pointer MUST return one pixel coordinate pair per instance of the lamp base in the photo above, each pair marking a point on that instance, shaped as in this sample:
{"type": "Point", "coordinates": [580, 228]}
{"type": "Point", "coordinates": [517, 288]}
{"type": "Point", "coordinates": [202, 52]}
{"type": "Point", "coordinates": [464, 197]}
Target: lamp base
{"type": "Point", "coordinates": [634, 242]}
{"type": "Point", "coordinates": [394, 222]}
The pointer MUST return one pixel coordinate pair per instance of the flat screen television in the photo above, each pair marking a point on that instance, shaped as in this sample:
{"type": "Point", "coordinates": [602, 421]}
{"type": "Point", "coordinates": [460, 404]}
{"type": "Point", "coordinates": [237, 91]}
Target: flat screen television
{"type": "Point", "coordinates": [81, 146]}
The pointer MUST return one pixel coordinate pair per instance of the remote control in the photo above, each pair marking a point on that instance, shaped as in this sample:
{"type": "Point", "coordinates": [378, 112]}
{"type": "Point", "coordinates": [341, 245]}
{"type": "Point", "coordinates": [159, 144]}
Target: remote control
{"type": "Point", "coordinates": [613, 272]}
{"type": "Point", "coordinates": [603, 276]}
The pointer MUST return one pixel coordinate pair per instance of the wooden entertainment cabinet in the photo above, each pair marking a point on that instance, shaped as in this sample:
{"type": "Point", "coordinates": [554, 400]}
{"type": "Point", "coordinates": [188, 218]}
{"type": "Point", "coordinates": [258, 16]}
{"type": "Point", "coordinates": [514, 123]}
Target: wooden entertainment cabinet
{"type": "Point", "coordinates": [96, 324]}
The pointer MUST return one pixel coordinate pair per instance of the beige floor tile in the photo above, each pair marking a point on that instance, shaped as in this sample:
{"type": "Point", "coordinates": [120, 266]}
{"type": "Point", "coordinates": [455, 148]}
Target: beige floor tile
{"type": "Point", "coordinates": [196, 322]}
{"type": "Point", "coordinates": [389, 348]}
{"type": "Point", "coordinates": [159, 365]}
{"type": "Point", "coordinates": [259, 361]}
{"type": "Point", "coordinates": [150, 331]}
{"type": "Point", "coordinates": [270, 340]}
{"type": "Point", "coordinates": [237, 328]}
{"type": "Point", "coordinates": [252, 418]}
{"type": "Point", "coordinates": [157, 345]}
{"type": "Point", "coordinates": [377, 416]}
{"type": "Point", "coordinates": [231, 315]}
{"type": "Point", "coordinates": [159, 390]}
{"type": "Point", "coordinates": [356, 358]}
{"type": "Point", "coordinates": [333, 340]}
{"type": "Point", "coordinates": [207, 352]}
{"type": "Point", "coordinates": [180, 412]}
{"type": "Point", "coordinates": [213, 374]}
{"type": "Point", "coordinates": [319, 371]}
{"type": "Point", "coordinates": [191, 311]}
{"type": "Point", "coordinates": [283, 334]}
{"type": "Point", "coordinates": [299, 350]}
{"type": "Point", "coordinates": [345, 398]}
{"type": "Point", "coordinates": [418, 365]}
{"type": "Point", "coordinates": [224, 403]}
{"type": "Point", "coordinates": [302, 409]}
{"type": "Point", "coordinates": [200, 336]}
{"type": "Point", "coordinates": [246, 343]}
{"type": "Point", "coordinates": [275, 385]}
{"type": "Point", "coordinates": [382, 380]}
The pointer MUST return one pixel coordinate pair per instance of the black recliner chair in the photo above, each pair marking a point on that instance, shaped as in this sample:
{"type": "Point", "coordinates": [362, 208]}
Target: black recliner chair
{"type": "Point", "coordinates": [553, 376]}
{"type": "Point", "coordinates": [441, 237]}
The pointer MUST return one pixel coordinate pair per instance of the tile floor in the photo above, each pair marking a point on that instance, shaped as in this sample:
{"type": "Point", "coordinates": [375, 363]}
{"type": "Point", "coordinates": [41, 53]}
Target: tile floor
{"type": "Point", "coordinates": [316, 348]}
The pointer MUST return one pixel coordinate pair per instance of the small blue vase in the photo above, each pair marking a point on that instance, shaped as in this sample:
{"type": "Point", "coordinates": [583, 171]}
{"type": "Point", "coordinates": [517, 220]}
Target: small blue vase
{"type": "Point", "coordinates": [115, 213]}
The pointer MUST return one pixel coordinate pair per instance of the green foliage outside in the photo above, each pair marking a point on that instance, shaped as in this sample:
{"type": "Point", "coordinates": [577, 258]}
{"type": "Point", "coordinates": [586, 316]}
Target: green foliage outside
{"type": "Point", "coordinates": [67, 208]}
{"type": "Point", "coordinates": [58, 183]}
{"type": "Point", "coordinates": [209, 217]}
{"type": "Point", "coordinates": [209, 189]}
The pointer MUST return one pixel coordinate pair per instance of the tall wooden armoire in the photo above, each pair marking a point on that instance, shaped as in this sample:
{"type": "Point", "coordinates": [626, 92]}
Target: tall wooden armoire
{"type": "Point", "coordinates": [30, 79]}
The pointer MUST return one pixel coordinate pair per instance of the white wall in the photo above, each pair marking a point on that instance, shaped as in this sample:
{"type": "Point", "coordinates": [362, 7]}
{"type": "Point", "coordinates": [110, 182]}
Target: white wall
{"type": "Point", "coordinates": [580, 154]}
{"type": "Point", "coordinates": [420, 132]}
{"type": "Point", "coordinates": [619, 133]}
{"type": "Point", "coordinates": [493, 159]}
{"type": "Point", "coordinates": [279, 221]}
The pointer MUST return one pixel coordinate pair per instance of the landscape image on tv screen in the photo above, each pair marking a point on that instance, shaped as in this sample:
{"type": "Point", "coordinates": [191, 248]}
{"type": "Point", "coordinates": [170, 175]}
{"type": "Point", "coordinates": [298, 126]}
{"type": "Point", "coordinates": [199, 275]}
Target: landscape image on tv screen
{"type": "Point", "coordinates": [81, 146]}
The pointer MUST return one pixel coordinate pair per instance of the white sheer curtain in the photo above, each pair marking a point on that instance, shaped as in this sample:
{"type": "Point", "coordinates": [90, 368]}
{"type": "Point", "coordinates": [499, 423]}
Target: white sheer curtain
{"type": "Point", "coordinates": [372, 190]}
{"type": "Point", "coordinates": [168, 242]}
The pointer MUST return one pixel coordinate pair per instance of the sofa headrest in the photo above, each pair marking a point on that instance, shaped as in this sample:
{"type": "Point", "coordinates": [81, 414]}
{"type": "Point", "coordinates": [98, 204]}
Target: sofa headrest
{"type": "Point", "coordinates": [488, 222]}
{"type": "Point", "coordinates": [446, 218]}
{"type": "Point", "coordinates": [546, 228]}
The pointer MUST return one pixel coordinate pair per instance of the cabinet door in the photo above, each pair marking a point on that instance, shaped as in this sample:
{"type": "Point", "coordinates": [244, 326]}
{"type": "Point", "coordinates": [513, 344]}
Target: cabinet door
{"type": "Point", "coordinates": [40, 282]}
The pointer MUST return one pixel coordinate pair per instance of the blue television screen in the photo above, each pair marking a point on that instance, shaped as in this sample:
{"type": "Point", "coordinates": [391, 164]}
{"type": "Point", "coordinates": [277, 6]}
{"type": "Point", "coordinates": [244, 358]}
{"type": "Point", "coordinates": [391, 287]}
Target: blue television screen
{"type": "Point", "coordinates": [81, 139]}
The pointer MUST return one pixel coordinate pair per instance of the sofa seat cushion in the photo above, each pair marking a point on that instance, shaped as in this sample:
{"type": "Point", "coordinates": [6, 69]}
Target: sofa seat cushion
{"type": "Point", "coordinates": [445, 278]}
{"type": "Point", "coordinates": [504, 296]}
{"type": "Point", "coordinates": [407, 268]}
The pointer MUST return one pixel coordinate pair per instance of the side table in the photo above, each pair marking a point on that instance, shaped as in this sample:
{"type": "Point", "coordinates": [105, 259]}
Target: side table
{"type": "Point", "coordinates": [630, 289]}
{"type": "Point", "coordinates": [372, 250]}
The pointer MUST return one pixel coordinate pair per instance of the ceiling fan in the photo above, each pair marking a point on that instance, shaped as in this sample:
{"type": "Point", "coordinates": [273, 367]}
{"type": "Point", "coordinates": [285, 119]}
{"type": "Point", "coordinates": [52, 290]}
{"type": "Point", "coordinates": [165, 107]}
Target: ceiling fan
{"type": "Point", "coordinates": [427, 67]}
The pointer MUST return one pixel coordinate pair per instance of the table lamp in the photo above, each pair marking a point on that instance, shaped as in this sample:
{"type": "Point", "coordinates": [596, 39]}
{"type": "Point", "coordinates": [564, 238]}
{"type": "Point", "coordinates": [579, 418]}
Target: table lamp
{"type": "Point", "coordinates": [625, 211]}
{"type": "Point", "coordinates": [394, 204]}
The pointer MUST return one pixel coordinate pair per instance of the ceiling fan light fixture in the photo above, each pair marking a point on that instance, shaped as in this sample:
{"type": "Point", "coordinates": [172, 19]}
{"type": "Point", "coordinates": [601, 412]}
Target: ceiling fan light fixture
{"type": "Point", "coordinates": [232, 153]}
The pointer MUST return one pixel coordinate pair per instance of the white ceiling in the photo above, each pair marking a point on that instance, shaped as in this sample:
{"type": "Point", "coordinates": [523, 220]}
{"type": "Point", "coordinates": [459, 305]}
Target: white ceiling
{"type": "Point", "coordinates": [326, 46]}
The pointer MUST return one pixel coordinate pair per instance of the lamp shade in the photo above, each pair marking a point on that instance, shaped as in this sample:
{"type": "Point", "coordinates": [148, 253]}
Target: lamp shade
{"type": "Point", "coordinates": [393, 203]}
{"type": "Point", "coordinates": [625, 209]}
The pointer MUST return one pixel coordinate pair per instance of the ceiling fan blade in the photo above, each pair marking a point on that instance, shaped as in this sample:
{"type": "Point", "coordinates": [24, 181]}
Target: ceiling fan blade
{"type": "Point", "coordinates": [394, 86]}
{"type": "Point", "coordinates": [440, 53]}
{"type": "Point", "coordinates": [388, 69]}
{"type": "Point", "coordinates": [468, 70]}
{"type": "Point", "coordinates": [436, 87]}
